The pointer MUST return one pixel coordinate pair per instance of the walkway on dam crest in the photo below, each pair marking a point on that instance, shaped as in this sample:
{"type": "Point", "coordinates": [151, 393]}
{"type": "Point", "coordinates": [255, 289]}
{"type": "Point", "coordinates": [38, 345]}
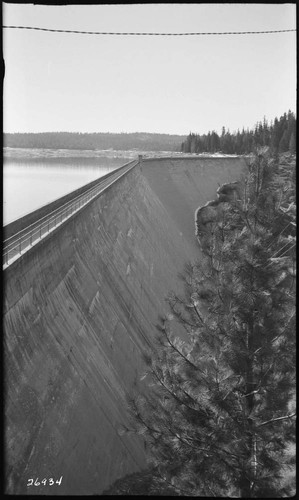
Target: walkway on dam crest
{"type": "Point", "coordinates": [18, 244]}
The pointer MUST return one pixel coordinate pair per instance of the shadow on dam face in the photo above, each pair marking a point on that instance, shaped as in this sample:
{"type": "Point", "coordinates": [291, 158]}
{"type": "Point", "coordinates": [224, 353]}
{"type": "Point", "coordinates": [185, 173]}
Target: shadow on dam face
{"type": "Point", "coordinates": [79, 309]}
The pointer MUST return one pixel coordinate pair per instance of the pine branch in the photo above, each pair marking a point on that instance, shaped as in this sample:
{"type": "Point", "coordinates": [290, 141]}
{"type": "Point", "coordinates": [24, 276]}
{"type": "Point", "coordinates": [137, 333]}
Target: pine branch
{"type": "Point", "coordinates": [175, 487]}
{"type": "Point", "coordinates": [181, 354]}
{"type": "Point", "coordinates": [220, 296]}
{"type": "Point", "coordinates": [276, 419]}
{"type": "Point", "coordinates": [178, 314]}
{"type": "Point", "coordinates": [275, 338]}
{"type": "Point", "coordinates": [194, 401]}
{"type": "Point", "coordinates": [171, 392]}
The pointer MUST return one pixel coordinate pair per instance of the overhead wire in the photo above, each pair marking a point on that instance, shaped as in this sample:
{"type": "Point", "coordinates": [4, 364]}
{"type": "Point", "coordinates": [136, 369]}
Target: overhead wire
{"type": "Point", "coordinates": [148, 33]}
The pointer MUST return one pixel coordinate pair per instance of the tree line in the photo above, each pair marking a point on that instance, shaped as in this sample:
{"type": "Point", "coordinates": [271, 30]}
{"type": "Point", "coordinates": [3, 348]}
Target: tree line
{"type": "Point", "coordinates": [217, 414]}
{"type": "Point", "coordinates": [279, 136]}
{"type": "Point", "coordinates": [73, 140]}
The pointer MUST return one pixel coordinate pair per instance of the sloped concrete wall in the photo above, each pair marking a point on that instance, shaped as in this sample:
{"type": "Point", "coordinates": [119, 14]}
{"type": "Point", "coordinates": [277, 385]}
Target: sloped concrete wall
{"type": "Point", "coordinates": [78, 310]}
{"type": "Point", "coordinates": [182, 185]}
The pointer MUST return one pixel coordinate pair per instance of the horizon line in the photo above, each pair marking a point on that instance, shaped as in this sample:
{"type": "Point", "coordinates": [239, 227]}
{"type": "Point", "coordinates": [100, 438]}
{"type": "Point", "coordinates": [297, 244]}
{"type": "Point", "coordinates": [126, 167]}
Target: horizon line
{"type": "Point", "coordinates": [116, 133]}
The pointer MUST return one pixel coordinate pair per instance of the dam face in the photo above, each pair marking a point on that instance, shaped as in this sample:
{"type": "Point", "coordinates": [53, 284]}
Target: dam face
{"type": "Point", "coordinates": [79, 309]}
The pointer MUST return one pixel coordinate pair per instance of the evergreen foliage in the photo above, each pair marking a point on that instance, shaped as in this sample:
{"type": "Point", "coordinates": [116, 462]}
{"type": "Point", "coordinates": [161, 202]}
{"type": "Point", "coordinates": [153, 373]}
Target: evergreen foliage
{"type": "Point", "coordinates": [91, 141]}
{"type": "Point", "coordinates": [217, 414]}
{"type": "Point", "coordinates": [146, 482]}
{"type": "Point", "coordinates": [278, 136]}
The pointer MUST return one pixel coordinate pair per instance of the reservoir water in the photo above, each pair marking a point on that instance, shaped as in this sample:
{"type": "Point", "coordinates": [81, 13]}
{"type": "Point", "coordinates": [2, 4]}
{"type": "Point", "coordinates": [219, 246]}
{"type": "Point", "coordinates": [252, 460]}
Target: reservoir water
{"type": "Point", "coordinates": [33, 178]}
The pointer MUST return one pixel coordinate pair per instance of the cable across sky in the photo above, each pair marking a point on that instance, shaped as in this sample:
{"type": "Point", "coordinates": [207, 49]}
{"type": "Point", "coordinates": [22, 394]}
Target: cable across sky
{"type": "Point", "coordinates": [149, 33]}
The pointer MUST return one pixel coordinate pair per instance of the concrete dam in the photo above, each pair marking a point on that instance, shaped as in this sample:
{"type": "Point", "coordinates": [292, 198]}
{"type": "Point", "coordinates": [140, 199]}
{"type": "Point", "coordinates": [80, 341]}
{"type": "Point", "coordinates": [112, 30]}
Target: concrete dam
{"type": "Point", "coordinates": [79, 308]}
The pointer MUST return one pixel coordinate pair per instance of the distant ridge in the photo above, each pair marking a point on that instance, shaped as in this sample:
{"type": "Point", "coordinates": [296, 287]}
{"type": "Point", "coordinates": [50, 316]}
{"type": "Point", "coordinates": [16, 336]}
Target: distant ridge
{"type": "Point", "coordinates": [100, 140]}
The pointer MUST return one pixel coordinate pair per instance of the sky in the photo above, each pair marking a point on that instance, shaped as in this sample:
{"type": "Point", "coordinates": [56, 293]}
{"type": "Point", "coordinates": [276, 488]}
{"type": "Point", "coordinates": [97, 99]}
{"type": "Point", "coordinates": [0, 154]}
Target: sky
{"type": "Point", "coordinates": [174, 85]}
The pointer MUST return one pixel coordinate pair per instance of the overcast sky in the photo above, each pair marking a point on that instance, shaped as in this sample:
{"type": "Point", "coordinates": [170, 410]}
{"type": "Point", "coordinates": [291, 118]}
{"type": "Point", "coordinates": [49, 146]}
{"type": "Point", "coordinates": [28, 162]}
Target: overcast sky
{"type": "Point", "coordinates": [88, 83]}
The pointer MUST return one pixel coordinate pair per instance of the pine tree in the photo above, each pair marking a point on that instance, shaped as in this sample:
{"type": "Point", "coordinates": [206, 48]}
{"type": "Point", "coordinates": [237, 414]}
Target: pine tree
{"type": "Point", "coordinates": [277, 137]}
{"type": "Point", "coordinates": [238, 143]}
{"type": "Point", "coordinates": [215, 143]}
{"type": "Point", "coordinates": [292, 143]}
{"type": "Point", "coordinates": [266, 133]}
{"type": "Point", "coordinates": [217, 417]}
{"type": "Point", "coordinates": [284, 142]}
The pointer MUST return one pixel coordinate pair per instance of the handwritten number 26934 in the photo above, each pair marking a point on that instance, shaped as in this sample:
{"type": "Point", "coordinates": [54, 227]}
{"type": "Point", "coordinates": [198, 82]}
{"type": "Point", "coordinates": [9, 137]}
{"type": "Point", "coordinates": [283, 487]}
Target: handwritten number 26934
{"type": "Point", "coordinates": [51, 481]}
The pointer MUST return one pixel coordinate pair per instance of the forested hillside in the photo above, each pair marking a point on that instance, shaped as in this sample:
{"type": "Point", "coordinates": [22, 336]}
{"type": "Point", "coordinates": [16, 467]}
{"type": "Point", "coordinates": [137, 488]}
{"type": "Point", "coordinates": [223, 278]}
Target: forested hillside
{"type": "Point", "coordinates": [280, 136]}
{"type": "Point", "coordinates": [72, 140]}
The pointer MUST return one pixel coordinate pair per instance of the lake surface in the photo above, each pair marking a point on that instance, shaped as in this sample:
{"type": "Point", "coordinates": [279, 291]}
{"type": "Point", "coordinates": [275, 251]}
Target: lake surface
{"type": "Point", "coordinates": [33, 178]}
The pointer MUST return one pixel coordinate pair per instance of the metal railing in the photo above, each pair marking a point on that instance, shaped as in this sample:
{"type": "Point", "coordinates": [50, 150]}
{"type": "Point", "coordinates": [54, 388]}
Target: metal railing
{"type": "Point", "coordinates": [21, 242]}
